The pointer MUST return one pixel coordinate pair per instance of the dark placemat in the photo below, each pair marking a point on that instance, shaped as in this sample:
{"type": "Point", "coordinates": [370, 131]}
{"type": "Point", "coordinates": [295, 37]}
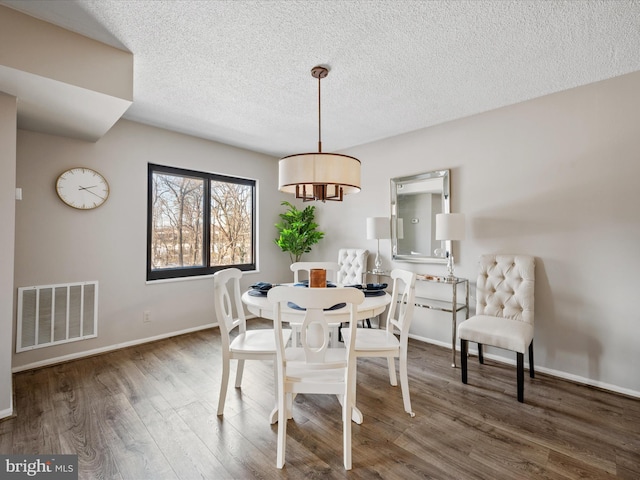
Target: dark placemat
{"type": "Point", "coordinates": [374, 293]}
{"type": "Point", "coordinates": [335, 307]}
{"type": "Point", "coordinates": [258, 293]}
{"type": "Point", "coordinates": [262, 286]}
{"type": "Point", "coordinates": [305, 283]}
{"type": "Point", "coordinates": [369, 287]}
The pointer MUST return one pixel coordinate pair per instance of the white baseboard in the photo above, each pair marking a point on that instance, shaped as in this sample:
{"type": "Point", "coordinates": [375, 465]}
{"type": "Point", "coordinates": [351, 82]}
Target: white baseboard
{"type": "Point", "coordinates": [6, 413]}
{"type": "Point", "coordinates": [547, 371]}
{"type": "Point", "coordinates": [74, 356]}
{"type": "Point", "coordinates": [97, 351]}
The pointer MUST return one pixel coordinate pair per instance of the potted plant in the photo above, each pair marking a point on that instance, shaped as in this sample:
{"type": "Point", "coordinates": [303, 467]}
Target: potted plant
{"type": "Point", "coordinates": [297, 231]}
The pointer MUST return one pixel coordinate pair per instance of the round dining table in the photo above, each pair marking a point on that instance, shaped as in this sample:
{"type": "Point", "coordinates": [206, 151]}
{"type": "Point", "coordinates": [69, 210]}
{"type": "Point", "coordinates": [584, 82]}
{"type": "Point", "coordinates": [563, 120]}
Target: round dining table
{"type": "Point", "coordinates": [260, 306]}
{"type": "Point", "coordinates": [372, 306]}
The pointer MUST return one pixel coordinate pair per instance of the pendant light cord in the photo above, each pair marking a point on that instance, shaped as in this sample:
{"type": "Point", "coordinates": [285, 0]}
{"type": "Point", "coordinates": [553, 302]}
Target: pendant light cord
{"type": "Point", "coordinates": [319, 72]}
{"type": "Point", "coordinates": [319, 119]}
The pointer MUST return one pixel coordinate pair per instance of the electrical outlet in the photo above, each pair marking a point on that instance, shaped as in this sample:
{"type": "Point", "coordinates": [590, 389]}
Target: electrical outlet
{"type": "Point", "coordinates": [146, 316]}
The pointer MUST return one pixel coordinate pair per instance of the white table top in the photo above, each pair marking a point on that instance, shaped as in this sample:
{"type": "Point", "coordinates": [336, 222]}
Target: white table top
{"type": "Point", "coordinates": [371, 307]}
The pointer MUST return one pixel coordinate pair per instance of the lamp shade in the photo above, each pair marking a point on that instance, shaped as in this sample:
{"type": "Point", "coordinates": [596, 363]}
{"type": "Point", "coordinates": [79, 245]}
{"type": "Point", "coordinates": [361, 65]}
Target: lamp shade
{"type": "Point", "coordinates": [377, 228]}
{"type": "Point", "coordinates": [310, 169]}
{"type": "Point", "coordinates": [450, 226]}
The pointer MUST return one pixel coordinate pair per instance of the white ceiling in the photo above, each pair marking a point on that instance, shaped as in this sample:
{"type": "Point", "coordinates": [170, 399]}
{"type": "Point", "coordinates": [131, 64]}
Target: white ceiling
{"type": "Point", "coordinates": [238, 72]}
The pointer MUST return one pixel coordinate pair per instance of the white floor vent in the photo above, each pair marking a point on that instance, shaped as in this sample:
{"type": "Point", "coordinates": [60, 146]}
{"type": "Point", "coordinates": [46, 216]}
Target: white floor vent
{"type": "Point", "coordinates": [54, 314]}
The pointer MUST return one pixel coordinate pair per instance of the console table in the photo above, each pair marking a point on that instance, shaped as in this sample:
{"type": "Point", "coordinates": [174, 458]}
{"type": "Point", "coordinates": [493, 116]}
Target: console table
{"type": "Point", "coordinates": [452, 307]}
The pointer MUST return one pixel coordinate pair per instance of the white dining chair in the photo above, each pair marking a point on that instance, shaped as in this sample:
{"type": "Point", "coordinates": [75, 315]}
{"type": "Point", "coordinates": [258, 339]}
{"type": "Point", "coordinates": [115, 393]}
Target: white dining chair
{"type": "Point", "coordinates": [331, 268]}
{"type": "Point", "coordinates": [332, 272]}
{"type": "Point", "coordinates": [373, 342]}
{"type": "Point", "coordinates": [504, 312]}
{"type": "Point", "coordinates": [247, 344]}
{"type": "Point", "coordinates": [315, 367]}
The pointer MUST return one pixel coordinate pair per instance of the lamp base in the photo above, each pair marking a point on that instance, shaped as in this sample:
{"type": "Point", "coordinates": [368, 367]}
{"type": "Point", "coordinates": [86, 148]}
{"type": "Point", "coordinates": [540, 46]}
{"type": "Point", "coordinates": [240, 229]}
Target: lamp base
{"type": "Point", "coordinates": [378, 262]}
{"type": "Point", "coordinates": [450, 266]}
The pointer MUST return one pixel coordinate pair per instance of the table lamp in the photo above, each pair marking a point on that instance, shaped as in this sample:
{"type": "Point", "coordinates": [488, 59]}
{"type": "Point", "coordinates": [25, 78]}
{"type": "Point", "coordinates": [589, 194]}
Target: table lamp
{"type": "Point", "coordinates": [378, 228]}
{"type": "Point", "coordinates": [450, 226]}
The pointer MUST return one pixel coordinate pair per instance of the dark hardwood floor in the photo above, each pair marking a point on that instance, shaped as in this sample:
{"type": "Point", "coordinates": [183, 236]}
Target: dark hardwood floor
{"type": "Point", "coordinates": [149, 412]}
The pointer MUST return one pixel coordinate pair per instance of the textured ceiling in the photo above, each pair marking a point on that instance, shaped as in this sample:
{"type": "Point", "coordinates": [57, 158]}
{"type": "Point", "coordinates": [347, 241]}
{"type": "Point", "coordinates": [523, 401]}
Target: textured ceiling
{"type": "Point", "coordinates": [238, 72]}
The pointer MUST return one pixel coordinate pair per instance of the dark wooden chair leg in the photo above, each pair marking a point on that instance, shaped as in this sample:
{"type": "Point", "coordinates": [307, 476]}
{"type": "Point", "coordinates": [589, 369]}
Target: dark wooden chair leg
{"type": "Point", "coordinates": [480, 356]}
{"type": "Point", "coordinates": [464, 348]}
{"type": "Point", "coordinates": [531, 370]}
{"type": "Point", "coordinates": [520, 373]}
{"type": "Point", "coordinates": [368, 320]}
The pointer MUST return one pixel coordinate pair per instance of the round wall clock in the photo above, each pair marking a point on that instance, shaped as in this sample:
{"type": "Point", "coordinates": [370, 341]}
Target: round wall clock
{"type": "Point", "coordinates": [82, 188]}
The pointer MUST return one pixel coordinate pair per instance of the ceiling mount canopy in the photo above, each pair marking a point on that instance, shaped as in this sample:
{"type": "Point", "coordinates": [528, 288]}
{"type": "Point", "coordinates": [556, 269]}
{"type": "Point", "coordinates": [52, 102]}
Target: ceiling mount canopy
{"type": "Point", "coordinates": [319, 176]}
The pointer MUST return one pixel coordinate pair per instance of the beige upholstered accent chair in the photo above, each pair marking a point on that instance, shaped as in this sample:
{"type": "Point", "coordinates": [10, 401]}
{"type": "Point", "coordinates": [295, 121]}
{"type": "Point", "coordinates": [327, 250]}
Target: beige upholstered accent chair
{"type": "Point", "coordinates": [504, 311]}
{"type": "Point", "coordinates": [352, 264]}
{"type": "Point", "coordinates": [352, 267]}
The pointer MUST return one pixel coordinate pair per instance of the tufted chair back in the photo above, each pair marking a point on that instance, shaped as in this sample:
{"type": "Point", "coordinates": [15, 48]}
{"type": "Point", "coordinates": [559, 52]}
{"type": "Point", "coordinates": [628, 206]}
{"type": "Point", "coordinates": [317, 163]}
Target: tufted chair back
{"type": "Point", "coordinates": [353, 265]}
{"type": "Point", "coordinates": [506, 287]}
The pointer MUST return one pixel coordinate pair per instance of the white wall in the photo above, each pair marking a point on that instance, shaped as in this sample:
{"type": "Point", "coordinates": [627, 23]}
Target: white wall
{"type": "Point", "coordinates": [8, 109]}
{"type": "Point", "coordinates": [555, 177]}
{"type": "Point", "coordinates": [58, 244]}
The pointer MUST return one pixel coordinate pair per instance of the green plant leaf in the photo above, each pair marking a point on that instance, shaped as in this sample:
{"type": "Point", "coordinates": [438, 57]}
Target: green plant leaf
{"type": "Point", "coordinates": [297, 231]}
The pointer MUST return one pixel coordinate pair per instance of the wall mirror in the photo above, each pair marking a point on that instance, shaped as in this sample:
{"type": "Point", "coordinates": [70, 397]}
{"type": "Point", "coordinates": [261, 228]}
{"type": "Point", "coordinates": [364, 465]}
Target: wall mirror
{"type": "Point", "coordinates": [415, 201]}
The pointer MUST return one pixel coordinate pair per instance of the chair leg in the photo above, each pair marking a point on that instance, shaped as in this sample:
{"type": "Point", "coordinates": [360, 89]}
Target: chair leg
{"type": "Point", "coordinates": [480, 355]}
{"type": "Point", "coordinates": [349, 402]}
{"type": "Point", "coordinates": [346, 432]}
{"type": "Point", "coordinates": [223, 384]}
{"type": "Point", "coordinates": [289, 403]}
{"type": "Point", "coordinates": [274, 418]}
{"type": "Point", "coordinates": [464, 349]}
{"type": "Point", "coordinates": [239, 371]}
{"type": "Point", "coordinates": [404, 383]}
{"type": "Point", "coordinates": [368, 320]}
{"type": "Point", "coordinates": [392, 371]}
{"type": "Point", "coordinates": [282, 428]}
{"type": "Point", "coordinates": [532, 373]}
{"type": "Point", "coordinates": [520, 373]}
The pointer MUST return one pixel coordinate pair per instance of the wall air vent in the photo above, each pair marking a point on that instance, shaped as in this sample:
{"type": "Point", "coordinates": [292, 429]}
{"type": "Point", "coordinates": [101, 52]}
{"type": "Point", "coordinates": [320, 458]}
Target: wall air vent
{"type": "Point", "coordinates": [54, 314]}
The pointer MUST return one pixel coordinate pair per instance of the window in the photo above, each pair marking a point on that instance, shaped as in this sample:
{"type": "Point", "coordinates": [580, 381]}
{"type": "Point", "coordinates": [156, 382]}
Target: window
{"type": "Point", "coordinates": [181, 204]}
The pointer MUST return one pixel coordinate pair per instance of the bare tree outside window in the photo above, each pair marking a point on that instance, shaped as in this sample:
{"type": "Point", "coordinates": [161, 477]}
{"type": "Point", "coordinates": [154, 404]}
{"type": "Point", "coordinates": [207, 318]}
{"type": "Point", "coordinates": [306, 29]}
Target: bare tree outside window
{"type": "Point", "coordinates": [177, 221]}
{"type": "Point", "coordinates": [231, 223]}
{"type": "Point", "coordinates": [181, 203]}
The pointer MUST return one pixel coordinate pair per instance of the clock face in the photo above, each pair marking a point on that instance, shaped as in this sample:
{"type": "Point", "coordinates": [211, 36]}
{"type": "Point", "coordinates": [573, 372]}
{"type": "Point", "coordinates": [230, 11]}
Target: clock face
{"type": "Point", "coordinates": [82, 188]}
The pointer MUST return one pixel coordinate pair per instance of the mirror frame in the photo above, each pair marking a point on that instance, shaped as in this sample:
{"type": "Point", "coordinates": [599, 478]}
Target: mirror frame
{"type": "Point", "coordinates": [446, 208]}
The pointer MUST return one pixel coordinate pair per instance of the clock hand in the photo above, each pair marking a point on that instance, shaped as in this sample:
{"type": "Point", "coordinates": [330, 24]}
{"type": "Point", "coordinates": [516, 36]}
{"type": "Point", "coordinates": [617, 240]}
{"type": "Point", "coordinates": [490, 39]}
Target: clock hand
{"type": "Point", "coordinates": [86, 188]}
{"type": "Point", "coordinates": [101, 198]}
{"type": "Point", "coordinates": [90, 191]}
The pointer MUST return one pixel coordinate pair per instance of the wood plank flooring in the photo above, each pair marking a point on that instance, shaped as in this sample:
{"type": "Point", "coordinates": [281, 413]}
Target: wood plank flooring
{"type": "Point", "coordinates": [149, 412]}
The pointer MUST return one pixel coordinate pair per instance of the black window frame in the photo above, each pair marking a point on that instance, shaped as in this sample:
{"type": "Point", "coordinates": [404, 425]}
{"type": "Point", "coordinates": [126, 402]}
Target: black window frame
{"type": "Point", "coordinates": [184, 272]}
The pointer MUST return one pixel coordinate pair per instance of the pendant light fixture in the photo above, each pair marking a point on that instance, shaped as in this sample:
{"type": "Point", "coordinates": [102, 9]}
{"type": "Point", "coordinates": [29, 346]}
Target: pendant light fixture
{"type": "Point", "coordinates": [319, 176]}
